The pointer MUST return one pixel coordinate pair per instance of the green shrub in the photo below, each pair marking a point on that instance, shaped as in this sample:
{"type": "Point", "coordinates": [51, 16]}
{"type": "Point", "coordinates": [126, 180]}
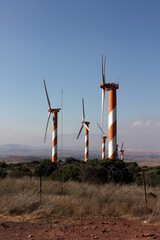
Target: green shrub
{"type": "Point", "coordinates": [69, 172]}
{"type": "Point", "coordinates": [3, 164]}
{"type": "Point", "coordinates": [93, 162]}
{"type": "Point", "coordinates": [45, 168]}
{"type": "Point", "coordinates": [153, 178]}
{"type": "Point", "coordinates": [19, 170]}
{"type": "Point", "coordinates": [115, 175]}
{"type": "Point", "coordinates": [101, 175]}
{"type": "Point", "coordinates": [88, 174]}
{"type": "Point", "coordinates": [96, 172]}
{"type": "Point", "coordinates": [127, 176]}
{"type": "Point", "coordinates": [3, 173]}
{"type": "Point", "coordinates": [139, 180]}
{"type": "Point", "coordinates": [71, 160]}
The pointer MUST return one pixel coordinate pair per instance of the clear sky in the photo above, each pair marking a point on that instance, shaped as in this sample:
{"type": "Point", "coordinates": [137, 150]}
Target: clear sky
{"type": "Point", "coordinates": [63, 41]}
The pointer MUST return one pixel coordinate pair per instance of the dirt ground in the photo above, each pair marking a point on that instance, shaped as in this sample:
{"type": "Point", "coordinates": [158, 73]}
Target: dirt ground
{"type": "Point", "coordinates": [79, 228]}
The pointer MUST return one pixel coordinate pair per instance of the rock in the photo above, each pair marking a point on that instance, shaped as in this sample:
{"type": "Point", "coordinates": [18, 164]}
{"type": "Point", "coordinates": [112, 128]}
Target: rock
{"type": "Point", "coordinates": [104, 222]}
{"type": "Point", "coordinates": [148, 235]}
{"type": "Point", "coordinates": [104, 230]}
{"type": "Point", "coordinates": [85, 228]}
{"type": "Point", "coordinates": [30, 236]}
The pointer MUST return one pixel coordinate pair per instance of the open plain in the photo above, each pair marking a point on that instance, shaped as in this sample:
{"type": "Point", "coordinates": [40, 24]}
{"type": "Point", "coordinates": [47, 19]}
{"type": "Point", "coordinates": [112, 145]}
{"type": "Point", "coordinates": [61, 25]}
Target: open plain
{"type": "Point", "coordinates": [110, 228]}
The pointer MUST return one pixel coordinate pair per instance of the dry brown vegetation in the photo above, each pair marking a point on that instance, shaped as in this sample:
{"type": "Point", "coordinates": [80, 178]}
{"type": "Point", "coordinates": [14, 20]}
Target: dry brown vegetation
{"type": "Point", "coordinates": [20, 197]}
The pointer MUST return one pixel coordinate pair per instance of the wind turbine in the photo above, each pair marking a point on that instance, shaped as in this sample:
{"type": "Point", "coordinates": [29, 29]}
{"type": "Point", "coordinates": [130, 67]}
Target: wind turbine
{"type": "Point", "coordinates": [103, 142]}
{"type": "Point", "coordinates": [86, 125]}
{"type": "Point", "coordinates": [112, 112]}
{"type": "Point", "coordinates": [122, 151]}
{"type": "Point", "coordinates": [54, 111]}
{"type": "Point", "coordinates": [103, 98]}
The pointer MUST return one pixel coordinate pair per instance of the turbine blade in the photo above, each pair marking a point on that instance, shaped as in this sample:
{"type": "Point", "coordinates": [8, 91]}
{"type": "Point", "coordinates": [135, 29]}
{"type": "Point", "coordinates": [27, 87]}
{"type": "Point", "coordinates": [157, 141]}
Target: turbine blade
{"type": "Point", "coordinates": [101, 130]}
{"type": "Point", "coordinates": [47, 127]}
{"type": "Point", "coordinates": [49, 105]}
{"type": "Point", "coordinates": [80, 131]}
{"type": "Point", "coordinates": [83, 112]}
{"type": "Point", "coordinates": [122, 145]}
{"type": "Point", "coordinates": [104, 69]}
{"type": "Point", "coordinates": [103, 98]}
{"type": "Point", "coordinates": [103, 80]}
{"type": "Point", "coordinates": [86, 125]}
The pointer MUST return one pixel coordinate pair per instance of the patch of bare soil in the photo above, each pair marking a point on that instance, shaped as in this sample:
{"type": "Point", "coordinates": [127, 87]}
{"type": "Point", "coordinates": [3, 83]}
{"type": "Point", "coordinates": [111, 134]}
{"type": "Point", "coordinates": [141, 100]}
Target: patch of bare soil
{"type": "Point", "coordinates": [110, 228]}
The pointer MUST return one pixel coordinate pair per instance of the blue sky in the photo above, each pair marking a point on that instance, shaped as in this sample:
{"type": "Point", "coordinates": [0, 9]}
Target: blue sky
{"type": "Point", "coordinates": [63, 41]}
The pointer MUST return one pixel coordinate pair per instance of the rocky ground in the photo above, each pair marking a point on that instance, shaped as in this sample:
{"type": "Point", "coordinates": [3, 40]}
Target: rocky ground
{"type": "Point", "coordinates": [110, 228]}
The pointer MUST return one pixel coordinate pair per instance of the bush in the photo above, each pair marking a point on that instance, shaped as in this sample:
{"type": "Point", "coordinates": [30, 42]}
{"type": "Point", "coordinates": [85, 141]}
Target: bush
{"type": "Point", "coordinates": [19, 170]}
{"type": "Point", "coordinates": [45, 168]}
{"type": "Point", "coordinates": [93, 171]}
{"type": "Point", "coordinates": [3, 164]}
{"type": "Point", "coordinates": [153, 178]}
{"type": "Point", "coordinates": [127, 176]}
{"type": "Point", "coordinates": [3, 173]}
{"type": "Point", "coordinates": [119, 171]}
{"type": "Point", "coordinates": [71, 160]}
{"type": "Point", "coordinates": [96, 172]}
{"type": "Point", "coordinates": [88, 174]}
{"type": "Point", "coordinates": [101, 175]}
{"type": "Point", "coordinates": [93, 162]}
{"type": "Point", "coordinates": [115, 175]}
{"type": "Point", "coordinates": [69, 172]}
{"type": "Point", "coordinates": [134, 168]}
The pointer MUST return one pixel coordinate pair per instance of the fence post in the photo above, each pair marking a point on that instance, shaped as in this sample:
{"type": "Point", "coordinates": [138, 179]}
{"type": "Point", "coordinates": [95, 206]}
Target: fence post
{"type": "Point", "coordinates": [40, 188]}
{"type": "Point", "coordinates": [145, 192]}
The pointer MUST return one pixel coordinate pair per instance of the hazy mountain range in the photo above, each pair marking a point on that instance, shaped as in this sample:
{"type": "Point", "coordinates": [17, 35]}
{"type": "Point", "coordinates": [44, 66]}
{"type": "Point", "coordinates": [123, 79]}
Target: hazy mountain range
{"type": "Point", "coordinates": [12, 150]}
{"type": "Point", "coordinates": [17, 153]}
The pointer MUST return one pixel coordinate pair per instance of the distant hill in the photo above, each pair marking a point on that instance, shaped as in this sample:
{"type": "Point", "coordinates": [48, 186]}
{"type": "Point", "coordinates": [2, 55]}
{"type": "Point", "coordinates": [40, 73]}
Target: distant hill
{"type": "Point", "coordinates": [22, 153]}
{"type": "Point", "coordinates": [22, 150]}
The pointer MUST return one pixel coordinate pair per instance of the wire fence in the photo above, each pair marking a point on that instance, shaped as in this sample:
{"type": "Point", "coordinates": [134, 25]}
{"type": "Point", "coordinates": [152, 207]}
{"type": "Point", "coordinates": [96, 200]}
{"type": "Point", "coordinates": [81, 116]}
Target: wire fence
{"type": "Point", "coordinates": [28, 194]}
{"type": "Point", "coordinates": [104, 178]}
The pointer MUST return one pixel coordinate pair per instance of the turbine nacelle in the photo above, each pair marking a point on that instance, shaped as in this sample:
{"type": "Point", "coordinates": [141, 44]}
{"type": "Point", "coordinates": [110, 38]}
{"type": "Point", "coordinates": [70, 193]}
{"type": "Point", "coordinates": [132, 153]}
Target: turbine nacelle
{"type": "Point", "coordinates": [121, 151]}
{"type": "Point", "coordinates": [109, 86]}
{"type": "Point", "coordinates": [84, 122]}
{"type": "Point", "coordinates": [51, 110]}
{"type": "Point", "coordinates": [104, 137]}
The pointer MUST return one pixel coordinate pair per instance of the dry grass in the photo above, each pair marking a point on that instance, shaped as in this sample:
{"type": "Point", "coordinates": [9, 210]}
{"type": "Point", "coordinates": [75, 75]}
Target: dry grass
{"type": "Point", "coordinates": [21, 197]}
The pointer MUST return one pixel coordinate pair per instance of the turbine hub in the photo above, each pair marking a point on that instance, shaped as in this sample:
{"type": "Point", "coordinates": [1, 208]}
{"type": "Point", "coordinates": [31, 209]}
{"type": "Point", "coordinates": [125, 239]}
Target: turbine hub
{"type": "Point", "coordinates": [101, 85]}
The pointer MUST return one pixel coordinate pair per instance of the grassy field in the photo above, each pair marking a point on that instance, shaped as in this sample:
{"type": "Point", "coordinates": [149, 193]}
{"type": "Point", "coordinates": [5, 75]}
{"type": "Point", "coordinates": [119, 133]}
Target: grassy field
{"type": "Point", "coordinates": [21, 198]}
